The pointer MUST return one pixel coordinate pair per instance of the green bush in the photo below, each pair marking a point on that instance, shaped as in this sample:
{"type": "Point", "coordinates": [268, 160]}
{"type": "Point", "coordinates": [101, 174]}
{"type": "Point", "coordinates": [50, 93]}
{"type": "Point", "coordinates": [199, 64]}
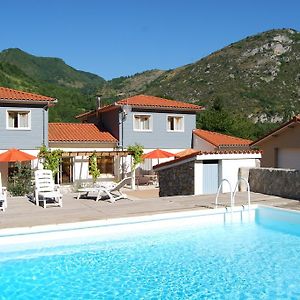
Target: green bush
{"type": "Point", "coordinates": [19, 183]}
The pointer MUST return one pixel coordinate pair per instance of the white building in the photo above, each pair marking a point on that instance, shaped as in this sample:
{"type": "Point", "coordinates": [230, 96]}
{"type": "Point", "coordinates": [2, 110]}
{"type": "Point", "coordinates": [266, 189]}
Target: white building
{"type": "Point", "coordinates": [202, 172]}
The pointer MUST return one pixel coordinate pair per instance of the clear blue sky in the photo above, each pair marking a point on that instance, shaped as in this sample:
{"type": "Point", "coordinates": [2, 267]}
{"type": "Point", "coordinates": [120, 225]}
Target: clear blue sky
{"type": "Point", "coordinates": [115, 38]}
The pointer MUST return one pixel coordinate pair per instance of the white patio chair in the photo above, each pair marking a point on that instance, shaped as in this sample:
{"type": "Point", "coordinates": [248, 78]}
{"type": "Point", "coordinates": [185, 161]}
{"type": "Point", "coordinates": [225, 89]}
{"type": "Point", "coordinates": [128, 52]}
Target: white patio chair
{"type": "Point", "coordinates": [3, 196]}
{"type": "Point", "coordinates": [114, 193]}
{"type": "Point", "coordinates": [110, 193]}
{"type": "Point", "coordinates": [46, 191]}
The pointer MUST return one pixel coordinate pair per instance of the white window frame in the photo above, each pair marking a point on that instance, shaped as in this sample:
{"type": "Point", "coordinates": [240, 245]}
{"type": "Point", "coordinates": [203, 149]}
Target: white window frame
{"type": "Point", "coordinates": [18, 111]}
{"type": "Point", "coordinates": [143, 115]}
{"type": "Point", "coordinates": [175, 116]}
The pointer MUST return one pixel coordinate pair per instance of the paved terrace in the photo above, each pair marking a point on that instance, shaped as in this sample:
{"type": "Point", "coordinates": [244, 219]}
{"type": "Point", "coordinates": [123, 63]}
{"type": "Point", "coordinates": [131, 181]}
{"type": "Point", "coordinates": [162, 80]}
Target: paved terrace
{"type": "Point", "coordinates": [23, 213]}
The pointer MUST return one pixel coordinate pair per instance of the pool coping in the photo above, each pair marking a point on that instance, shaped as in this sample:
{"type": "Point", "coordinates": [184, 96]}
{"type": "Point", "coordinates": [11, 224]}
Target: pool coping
{"type": "Point", "coordinates": [120, 221]}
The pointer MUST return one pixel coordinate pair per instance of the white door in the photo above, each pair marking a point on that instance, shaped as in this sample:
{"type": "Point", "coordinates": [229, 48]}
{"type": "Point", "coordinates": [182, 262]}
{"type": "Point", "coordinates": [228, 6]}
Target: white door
{"type": "Point", "coordinates": [289, 158]}
{"type": "Point", "coordinates": [210, 176]}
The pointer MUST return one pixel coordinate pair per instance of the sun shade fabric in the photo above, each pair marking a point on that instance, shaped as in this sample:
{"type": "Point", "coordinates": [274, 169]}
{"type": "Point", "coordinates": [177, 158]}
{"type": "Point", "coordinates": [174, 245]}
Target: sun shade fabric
{"type": "Point", "coordinates": [13, 155]}
{"type": "Point", "coordinates": [186, 152]}
{"type": "Point", "coordinates": [158, 153]}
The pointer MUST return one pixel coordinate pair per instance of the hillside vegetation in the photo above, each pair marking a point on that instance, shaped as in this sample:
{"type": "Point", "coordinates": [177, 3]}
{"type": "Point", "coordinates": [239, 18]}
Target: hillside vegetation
{"type": "Point", "coordinates": [52, 77]}
{"type": "Point", "coordinates": [256, 80]}
{"type": "Point", "coordinates": [257, 77]}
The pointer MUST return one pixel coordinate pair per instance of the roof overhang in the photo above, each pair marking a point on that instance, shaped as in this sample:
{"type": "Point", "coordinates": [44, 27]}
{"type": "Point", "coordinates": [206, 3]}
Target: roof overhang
{"type": "Point", "coordinates": [27, 101]}
{"type": "Point", "coordinates": [290, 124]}
{"type": "Point", "coordinates": [97, 153]}
{"type": "Point", "coordinates": [215, 155]}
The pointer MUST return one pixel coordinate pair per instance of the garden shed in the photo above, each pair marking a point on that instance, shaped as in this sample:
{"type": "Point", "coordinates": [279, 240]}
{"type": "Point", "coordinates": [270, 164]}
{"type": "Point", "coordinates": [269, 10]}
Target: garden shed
{"type": "Point", "coordinates": [202, 172]}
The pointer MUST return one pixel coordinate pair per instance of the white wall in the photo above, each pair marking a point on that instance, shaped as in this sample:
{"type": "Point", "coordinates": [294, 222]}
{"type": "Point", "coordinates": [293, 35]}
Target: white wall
{"type": "Point", "coordinates": [200, 144]}
{"type": "Point", "coordinates": [229, 170]}
{"type": "Point", "coordinates": [198, 175]}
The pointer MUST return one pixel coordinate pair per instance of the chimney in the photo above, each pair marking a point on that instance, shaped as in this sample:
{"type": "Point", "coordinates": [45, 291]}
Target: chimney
{"type": "Point", "coordinates": [98, 101]}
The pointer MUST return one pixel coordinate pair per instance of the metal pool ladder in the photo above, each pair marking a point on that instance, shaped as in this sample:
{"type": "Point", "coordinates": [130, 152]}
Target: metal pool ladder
{"type": "Point", "coordinates": [219, 189]}
{"type": "Point", "coordinates": [232, 195]}
{"type": "Point", "coordinates": [248, 191]}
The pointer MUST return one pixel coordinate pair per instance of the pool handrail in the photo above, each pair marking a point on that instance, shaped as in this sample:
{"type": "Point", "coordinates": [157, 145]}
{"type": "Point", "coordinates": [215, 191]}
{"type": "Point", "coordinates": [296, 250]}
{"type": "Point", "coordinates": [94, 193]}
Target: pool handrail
{"type": "Point", "coordinates": [231, 197]}
{"type": "Point", "coordinates": [248, 190]}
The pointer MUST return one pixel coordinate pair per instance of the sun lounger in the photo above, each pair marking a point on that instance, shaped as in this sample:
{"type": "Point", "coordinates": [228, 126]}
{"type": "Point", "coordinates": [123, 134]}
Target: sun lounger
{"type": "Point", "coordinates": [111, 193]}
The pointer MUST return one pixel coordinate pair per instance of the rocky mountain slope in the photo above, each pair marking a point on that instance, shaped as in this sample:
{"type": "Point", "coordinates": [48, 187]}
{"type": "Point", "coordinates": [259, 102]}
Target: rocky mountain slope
{"type": "Point", "coordinates": [257, 77]}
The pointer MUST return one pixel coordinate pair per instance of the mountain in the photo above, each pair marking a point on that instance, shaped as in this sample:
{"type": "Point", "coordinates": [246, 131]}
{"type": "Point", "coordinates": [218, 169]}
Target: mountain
{"type": "Point", "coordinates": [52, 77]}
{"type": "Point", "coordinates": [257, 77]}
{"type": "Point", "coordinates": [49, 69]}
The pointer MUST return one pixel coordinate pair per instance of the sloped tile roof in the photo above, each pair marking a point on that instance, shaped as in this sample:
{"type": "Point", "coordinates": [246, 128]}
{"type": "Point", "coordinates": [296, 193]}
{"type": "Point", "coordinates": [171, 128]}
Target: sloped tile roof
{"type": "Point", "coordinates": [199, 153]}
{"type": "Point", "coordinates": [145, 101]}
{"type": "Point", "coordinates": [10, 94]}
{"type": "Point", "coordinates": [151, 101]}
{"type": "Point", "coordinates": [218, 139]}
{"type": "Point", "coordinates": [76, 132]}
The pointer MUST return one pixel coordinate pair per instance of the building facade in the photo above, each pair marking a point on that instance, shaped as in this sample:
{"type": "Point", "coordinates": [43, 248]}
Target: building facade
{"type": "Point", "coordinates": [23, 123]}
{"type": "Point", "coordinates": [281, 147]}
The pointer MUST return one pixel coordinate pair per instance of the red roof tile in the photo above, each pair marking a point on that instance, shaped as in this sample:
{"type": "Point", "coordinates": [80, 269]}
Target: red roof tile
{"type": "Point", "coordinates": [145, 101]}
{"type": "Point", "coordinates": [199, 153]}
{"type": "Point", "coordinates": [218, 139]}
{"type": "Point", "coordinates": [151, 101]}
{"type": "Point", "coordinates": [75, 132]}
{"type": "Point", "coordinates": [10, 94]}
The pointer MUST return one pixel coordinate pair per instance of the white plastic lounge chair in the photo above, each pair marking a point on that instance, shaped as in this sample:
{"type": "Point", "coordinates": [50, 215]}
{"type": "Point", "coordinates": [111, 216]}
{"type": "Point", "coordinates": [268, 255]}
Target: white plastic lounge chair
{"type": "Point", "coordinates": [114, 193]}
{"type": "Point", "coordinates": [111, 194]}
{"type": "Point", "coordinates": [3, 196]}
{"type": "Point", "coordinates": [45, 190]}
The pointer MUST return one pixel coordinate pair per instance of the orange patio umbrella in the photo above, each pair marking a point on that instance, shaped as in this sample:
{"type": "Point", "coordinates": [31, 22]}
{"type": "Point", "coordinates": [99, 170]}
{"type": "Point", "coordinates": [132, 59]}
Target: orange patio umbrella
{"type": "Point", "coordinates": [14, 155]}
{"type": "Point", "coordinates": [185, 152]}
{"type": "Point", "coordinates": [158, 153]}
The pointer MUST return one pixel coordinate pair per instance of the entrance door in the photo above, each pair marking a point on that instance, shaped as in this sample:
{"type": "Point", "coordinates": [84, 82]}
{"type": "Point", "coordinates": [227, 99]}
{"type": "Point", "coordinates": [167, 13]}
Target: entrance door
{"type": "Point", "coordinates": [67, 170]}
{"type": "Point", "coordinates": [289, 158]}
{"type": "Point", "coordinates": [210, 176]}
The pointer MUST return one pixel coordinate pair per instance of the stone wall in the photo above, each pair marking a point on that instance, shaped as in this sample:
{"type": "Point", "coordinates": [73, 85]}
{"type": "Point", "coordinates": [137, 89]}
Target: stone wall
{"type": "Point", "coordinates": [278, 182]}
{"type": "Point", "coordinates": [177, 180]}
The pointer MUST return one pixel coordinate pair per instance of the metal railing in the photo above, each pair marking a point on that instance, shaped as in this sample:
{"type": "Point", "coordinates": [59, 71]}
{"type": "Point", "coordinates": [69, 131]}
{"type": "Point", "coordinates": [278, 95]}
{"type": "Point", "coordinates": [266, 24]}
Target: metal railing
{"type": "Point", "coordinates": [236, 188]}
{"type": "Point", "coordinates": [219, 189]}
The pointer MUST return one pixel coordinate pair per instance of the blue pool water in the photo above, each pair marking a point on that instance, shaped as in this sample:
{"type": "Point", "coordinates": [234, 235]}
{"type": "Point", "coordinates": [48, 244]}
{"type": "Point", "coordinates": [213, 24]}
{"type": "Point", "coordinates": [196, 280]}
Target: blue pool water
{"type": "Point", "coordinates": [232, 261]}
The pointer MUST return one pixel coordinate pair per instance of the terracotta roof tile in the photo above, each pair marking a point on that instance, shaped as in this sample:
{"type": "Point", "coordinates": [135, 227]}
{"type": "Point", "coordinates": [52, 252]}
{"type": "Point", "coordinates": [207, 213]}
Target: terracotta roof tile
{"type": "Point", "coordinates": [199, 153]}
{"type": "Point", "coordinates": [76, 132]}
{"type": "Point", "coordinates": [145, 101]}
{"type": "Point", "coordinates": [10, 94]}
{"type": "Point", "coordinates": [151, 101]}
{"type": "Point", "coordinates": [219, 139]}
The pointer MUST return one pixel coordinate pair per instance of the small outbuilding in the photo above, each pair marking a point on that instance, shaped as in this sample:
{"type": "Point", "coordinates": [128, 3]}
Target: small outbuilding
{"type": "Point", "coordinates": [202, 172]}
{"type": "Point", "coordinates": [281, 147]}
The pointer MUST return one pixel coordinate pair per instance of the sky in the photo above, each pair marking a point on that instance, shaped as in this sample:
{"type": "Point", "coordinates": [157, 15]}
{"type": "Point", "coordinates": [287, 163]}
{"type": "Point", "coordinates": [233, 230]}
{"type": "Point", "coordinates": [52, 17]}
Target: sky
{"type": "Point", "coordinates": [113, 38]}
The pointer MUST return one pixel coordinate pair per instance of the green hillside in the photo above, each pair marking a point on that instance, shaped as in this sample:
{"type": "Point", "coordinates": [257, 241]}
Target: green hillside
{"type": "Point", "coordinates": [52, 77]}
{"type": "Point", "coordinates": [257, 77]}
{"type": "Point", "coordinates": [253, 80]}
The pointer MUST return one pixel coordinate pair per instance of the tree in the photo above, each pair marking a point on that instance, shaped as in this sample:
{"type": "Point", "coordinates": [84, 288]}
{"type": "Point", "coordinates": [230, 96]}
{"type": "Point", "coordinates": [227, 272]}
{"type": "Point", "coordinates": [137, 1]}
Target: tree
{"type": "Point", "coordinates": [137, 153]}
{"type": "Point", "coordinates": [93, 167]}
{"type": "Point", "coordinates": [50, 159]}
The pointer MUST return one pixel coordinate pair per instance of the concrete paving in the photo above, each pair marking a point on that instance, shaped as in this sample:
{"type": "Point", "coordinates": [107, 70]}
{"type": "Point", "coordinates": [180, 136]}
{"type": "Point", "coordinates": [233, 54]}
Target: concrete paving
{"type": "Point", "coordinates": [143, 201]}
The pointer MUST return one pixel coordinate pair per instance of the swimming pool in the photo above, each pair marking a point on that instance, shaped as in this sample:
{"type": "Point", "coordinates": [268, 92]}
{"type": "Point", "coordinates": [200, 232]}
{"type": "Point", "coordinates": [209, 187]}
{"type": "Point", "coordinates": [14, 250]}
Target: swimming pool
{"type": "Point", "coordinates": [193, 255]}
